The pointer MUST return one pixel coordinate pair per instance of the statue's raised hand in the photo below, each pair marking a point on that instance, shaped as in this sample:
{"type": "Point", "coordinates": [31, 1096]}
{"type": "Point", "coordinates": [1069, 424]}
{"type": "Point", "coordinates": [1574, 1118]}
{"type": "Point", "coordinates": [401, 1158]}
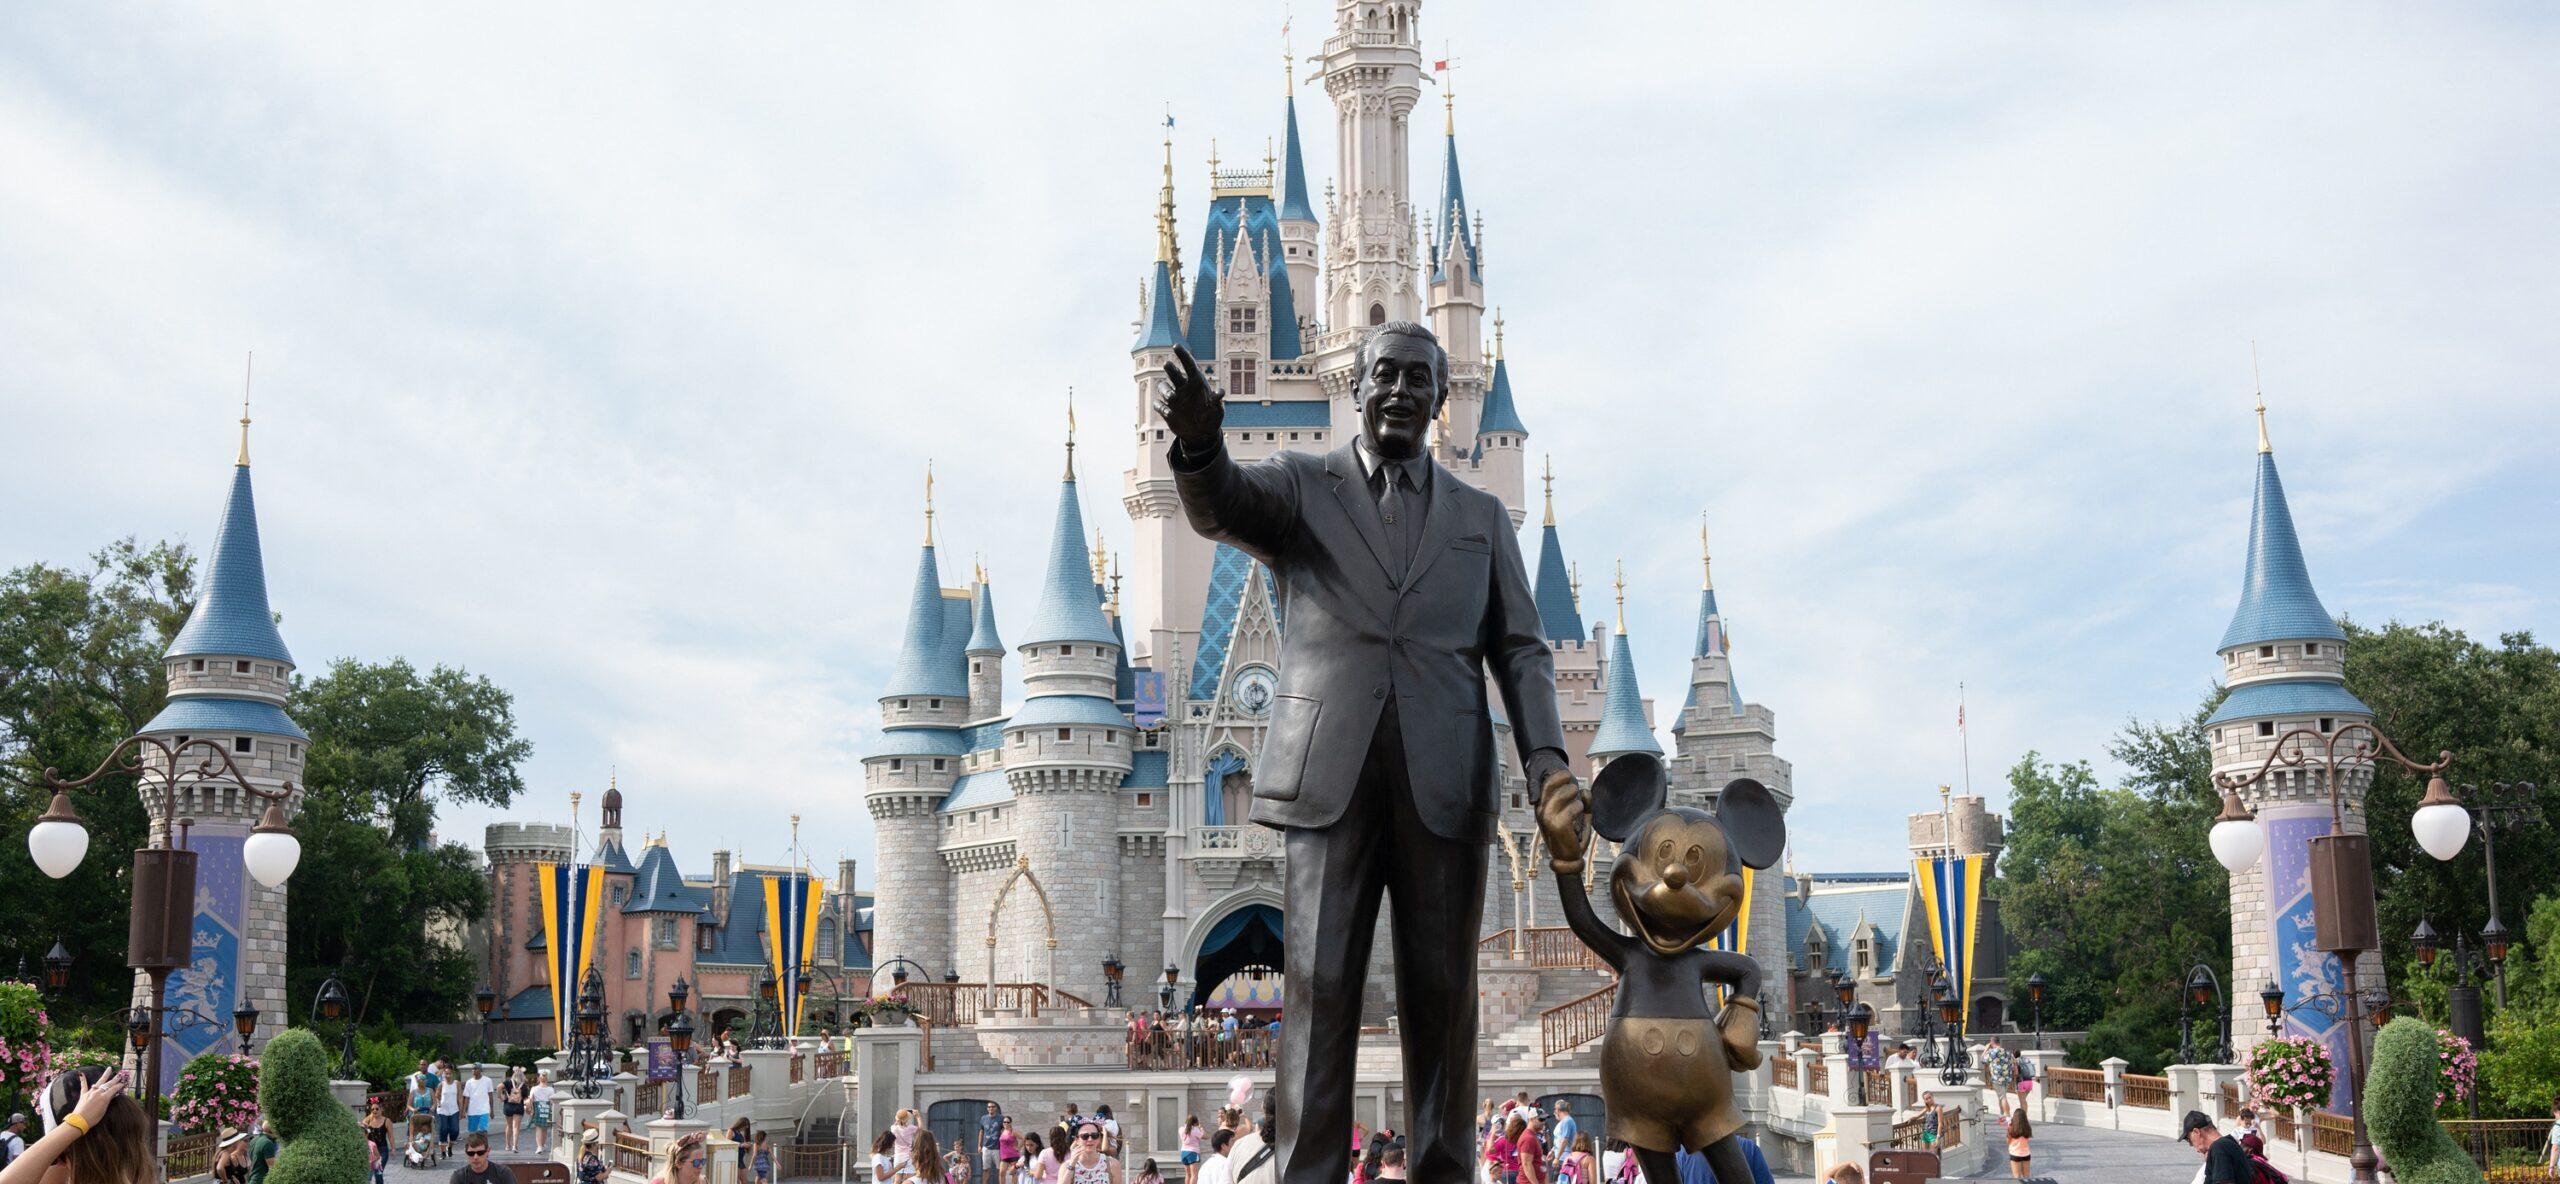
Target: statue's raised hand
{"type": "Point", "coordinates": [1191, 409]}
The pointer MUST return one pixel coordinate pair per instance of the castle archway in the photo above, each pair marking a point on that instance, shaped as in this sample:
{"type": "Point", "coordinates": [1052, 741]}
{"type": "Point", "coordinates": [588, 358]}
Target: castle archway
{"type": "Point", "coordinates": [1048, 919]}
{"type": "Point", "coordinates": [1245, 930]}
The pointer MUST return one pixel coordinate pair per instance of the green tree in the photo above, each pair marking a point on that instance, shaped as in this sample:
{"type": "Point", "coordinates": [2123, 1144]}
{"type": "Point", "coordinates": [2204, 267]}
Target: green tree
{"type": "Point", "coordinates": [2112, 894]}
{"type": "Point", "coordinates": [322, 1143]}
{"type": "Point", "coordinates": [80, 670]}
{"type": "Point", "coordinates": [387, 745]}
{"type": "Point", "coordinates": [2400, 1108]}
{"type": "Point", "coordinates": [2497, 710]}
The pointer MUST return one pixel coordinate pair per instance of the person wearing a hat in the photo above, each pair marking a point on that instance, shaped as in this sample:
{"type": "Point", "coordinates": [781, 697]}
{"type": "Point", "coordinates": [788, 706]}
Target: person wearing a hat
{"type": "Point", "coordinates": [231, 1157]}
{"type": "Point", "coordinates": [591, 1169]}
{"type": "Point", "coordinates": [13, 1141]}
{"type": "Point", "coordinates": [2225, 1161]}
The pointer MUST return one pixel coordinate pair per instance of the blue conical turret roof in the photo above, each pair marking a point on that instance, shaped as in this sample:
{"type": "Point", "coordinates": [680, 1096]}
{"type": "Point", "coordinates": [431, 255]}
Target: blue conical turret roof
{"type": "Point", "coordinates": [1500, 414]}
{"type": "Point", "coordinates": [231, 616]}
{"type": "Point", "coordinates": [1293, 174]}
{"type": "Point", "coordinates": [1454, 233]}
{"type": "Point", "coordinates": [1556, 614]}
{"type": "Point", "coordinates": [2277, 602]}
{"type": "Point", "coordinates": [1622, 726]}
{"type": "Point", "coordinates": [923, 665]}
{"type": "Point", "coordinates": [982, 630]}
{"type": "Point", "coordinates": [1164, 328]}
{"type": "Point", "coordinates": [1068, 610]}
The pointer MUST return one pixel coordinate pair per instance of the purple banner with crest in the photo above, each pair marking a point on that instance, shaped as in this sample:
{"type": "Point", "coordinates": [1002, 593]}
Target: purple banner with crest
{"type": "Point", "coordinates": [2302, 967]}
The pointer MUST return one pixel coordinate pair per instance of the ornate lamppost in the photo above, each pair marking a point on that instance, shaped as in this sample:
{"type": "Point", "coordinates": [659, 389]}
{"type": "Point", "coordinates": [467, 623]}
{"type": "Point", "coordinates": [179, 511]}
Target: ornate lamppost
{"type": "Point", "coordinates": [1111, 972]}
{"type": "Point", "coordinates": [1164, 994]}
{"type": "Point", "coordinates": [768, 1021]}
{"type": "Point", "coordinates": [2202, 987]}
{"type": "Point", "coordinates": [1932, 982]}
{"type": "Point", "coordinates": [244, 1020]}
{"type": "Point", "coordinates": [57, 969]}
{"type": "Point", "coordinates": [1863, 1055]}
{"type": "Point", "coordinates": [2442, 824]}
{"type": "Point", "coordinates": [162, 934]}
{"type": "Point", "coordinates": [586, 1046]}
{"type": "Point", "coordinates": [2341, 873]}
{"type": "Point", "coordinates": [1955, 1066]}
{"type": "Point", "coordinates": [486, 1001]}
{"type": "Point", "coordinates": [2035, 1002]}
{"type": "Point", "coordinates": [329, 1005]}
{"type": "Point", "coordinates": [680, 1038]}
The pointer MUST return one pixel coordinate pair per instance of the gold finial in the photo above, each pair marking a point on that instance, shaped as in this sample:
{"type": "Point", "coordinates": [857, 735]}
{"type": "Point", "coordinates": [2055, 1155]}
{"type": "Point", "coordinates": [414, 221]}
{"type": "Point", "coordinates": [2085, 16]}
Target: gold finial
{"type": "Point", "coordinates": [1071, 433]}
{"type": "Point", "coordinates": [978, 566]}
{"type": "Point", "coordinates": [1165, 248]}
{"type": "Point", "coordinates": [1622, 597]}
{"type": "Point", "coordinates": [246, 373]}
{"type": "Point", "coordinates": [1497, 329]}
{"type": "Point", "coordinates": [1550, 480]}
{"type": "Point", "coordinates": [1101, 558]}
{"type": "Point", "coordinates": [1270, 161]}
{"type": "Point", "coordinates": [1213, 161]}
{"type": "Point", "coordinates": [1449, 93]}
{"type": "Point", "coordinates": [613, 778]}
{"type": "Point", "coordinates": [1573, 582]}
{"type": "Point", "coordinates": [1115, 586]}
{"type": "Point", "coordinates": [928, 501]}
{"type": "Point", "coordinates": [1288, 58]}
{"type": "Point", "coordinates": [2263, 446]}
{"type": "Point", "coordinates": [1706, 557]}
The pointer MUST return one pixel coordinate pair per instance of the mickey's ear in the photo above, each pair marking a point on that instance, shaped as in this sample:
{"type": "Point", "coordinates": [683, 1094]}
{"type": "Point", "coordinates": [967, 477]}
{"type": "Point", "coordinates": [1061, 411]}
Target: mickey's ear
{"type": "Point", "coordinates": [1753, 824]}
{"type": "Point", "coordinates": [1627, 790]}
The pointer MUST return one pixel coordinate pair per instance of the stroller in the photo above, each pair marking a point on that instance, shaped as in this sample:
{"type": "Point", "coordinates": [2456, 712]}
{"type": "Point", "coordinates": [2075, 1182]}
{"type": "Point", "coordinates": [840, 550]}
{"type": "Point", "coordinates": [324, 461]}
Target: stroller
{"type": "Point", "coordinates": [422, 1147]}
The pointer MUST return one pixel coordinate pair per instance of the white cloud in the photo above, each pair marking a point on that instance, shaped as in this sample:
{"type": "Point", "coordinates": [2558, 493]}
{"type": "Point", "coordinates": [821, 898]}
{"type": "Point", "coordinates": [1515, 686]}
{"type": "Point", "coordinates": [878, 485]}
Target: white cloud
{"type": "Point", "coordinates": [601, 351]}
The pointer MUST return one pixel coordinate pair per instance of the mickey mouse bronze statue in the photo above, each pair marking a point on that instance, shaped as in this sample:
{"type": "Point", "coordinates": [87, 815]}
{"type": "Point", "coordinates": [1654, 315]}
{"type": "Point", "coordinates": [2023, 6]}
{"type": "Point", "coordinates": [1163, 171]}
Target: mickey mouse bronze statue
{"type": "Point", "coordinates": [1668, 1059]}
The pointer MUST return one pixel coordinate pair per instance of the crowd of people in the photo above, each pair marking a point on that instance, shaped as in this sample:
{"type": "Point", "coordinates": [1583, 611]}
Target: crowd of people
{"type": "Point", "coordinates": [1201, 1039]}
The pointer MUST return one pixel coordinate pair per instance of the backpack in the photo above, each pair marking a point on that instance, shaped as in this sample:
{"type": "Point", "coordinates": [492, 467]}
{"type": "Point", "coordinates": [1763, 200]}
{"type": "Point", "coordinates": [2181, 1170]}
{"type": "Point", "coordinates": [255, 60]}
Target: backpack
{"type": "Point", "coordinates": [2265, 1172]}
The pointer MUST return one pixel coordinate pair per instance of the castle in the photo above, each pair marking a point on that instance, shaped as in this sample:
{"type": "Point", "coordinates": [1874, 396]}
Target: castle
{"type": "Point", "coordinates": [1103, 818]}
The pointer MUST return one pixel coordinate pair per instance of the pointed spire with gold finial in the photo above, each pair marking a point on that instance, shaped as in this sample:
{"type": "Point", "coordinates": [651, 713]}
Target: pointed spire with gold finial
{"type": "Point", "coordinates": [1071, 433]}
{"type": "Point", "coordinates": [923, 668]}
{"type": "Point", "coordinates": [928, 501]}
{"type": "Point", "coordinates": [248, 371]}
{"type": "Point", "coordinates": [1711, 638]}
{"type": "Point", "coordinates": [2263, 445]}
{"type": "Point", "coordinates": [2277, 602]}
{"type": "Point", "coordinates": [1163, 327]}
{"type": "Point", "coordinates": [1622, 724]}
{"type": "Point", "coordinates": [1559, 612]}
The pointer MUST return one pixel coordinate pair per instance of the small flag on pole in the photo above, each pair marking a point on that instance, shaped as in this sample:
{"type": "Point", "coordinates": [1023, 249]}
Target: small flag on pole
{"type": "Point", "coordinates": [1440, 66]}
{"type": "Point", "coordinates": [1959, 715]}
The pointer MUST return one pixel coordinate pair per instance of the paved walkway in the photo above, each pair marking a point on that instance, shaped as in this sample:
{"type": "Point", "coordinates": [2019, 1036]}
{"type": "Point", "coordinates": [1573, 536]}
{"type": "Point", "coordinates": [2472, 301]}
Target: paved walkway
{"type": "Point", "coordinates": [2081, 1155]}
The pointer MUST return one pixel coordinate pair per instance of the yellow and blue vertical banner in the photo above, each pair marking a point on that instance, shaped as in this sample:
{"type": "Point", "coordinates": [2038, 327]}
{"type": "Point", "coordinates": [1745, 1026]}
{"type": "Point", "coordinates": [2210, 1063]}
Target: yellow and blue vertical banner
{"type": "Point", "coordinates": [570, 897]}
{"type": "Point", "coordinates": [1736, 938]}
{"type": "Point", "coordinates": [1951, 895]}
{"type": "Point", "coordinates": [791, 936]}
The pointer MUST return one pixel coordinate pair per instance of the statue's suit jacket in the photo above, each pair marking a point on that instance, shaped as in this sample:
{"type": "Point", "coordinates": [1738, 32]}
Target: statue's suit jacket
{"type": "Point", "coordinates": [1358, 631]}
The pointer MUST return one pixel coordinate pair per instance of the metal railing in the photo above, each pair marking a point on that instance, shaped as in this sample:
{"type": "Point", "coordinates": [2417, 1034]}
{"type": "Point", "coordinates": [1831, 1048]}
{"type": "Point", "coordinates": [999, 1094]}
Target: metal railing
{"type": "Point", "coordinates": [2332, 1133]}
{"type": "Point", "coordinates": [1545, 946]}
{"type": "Point", "coordinates": [186, 1155]}
{"type": "Point", "coordinates": [1782, 1071]}
{"type": "Point", "coordinates": [2507, 1149]}
{"type": "Point", "coordinates": [958, 1005]}
{"type": "Point", "coordinates": [650, 1097]}
{"type": "Point", "coordinates": [1252, 1048]}
{"type": "Point", "coordinates": [804, 1161]}
{"type": "Point", "coordinates": [1818, 1077]}
{"type": "Point", "coordinates": [2076, 1085]}
{"type": "Point", "coordinates": [2149, 1093]}
{"type": "Point", "coordinates": [799, 1067]}
{"type": "Point", "coordinates": [706, 1083]}
{"type": "Point", "coordinates": [742, 1080]}
{"type": "Point", "coordinates": [630, 1153]}
{"type": "Point", "coordinates": [831, 1062]}
{"type": "Point", "coordinates": [1908, 1133]}
{"type": "Point", "coordinates": [1570, 1025]}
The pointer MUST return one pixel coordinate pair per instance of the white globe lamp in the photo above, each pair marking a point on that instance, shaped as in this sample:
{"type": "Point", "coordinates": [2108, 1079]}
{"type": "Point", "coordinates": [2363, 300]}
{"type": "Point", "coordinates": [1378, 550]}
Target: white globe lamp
{"type": "Point", "coordinates": [2236, 838]}
{"type": "Point", "coordinates": [2441, 824]}
{"type": "Point", "coordinates": [59, 840]}
{"type": "Point", "coordinates": [272, 850]}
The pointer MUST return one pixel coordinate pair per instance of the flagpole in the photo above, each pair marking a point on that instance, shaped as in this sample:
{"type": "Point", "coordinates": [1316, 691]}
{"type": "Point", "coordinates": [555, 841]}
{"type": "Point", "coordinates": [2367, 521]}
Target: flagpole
{"type": "Point", "coordinates": [1964, 741]}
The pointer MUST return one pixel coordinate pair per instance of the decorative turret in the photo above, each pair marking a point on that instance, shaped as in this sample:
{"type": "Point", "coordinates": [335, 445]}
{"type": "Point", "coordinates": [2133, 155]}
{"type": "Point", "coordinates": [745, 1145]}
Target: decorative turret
{"type": "Point", "coordinates": [916, 760]}
{"type": "Point", "coordinates": [1160, 322]}
{"type": "Point", "coordinates": [1067, 748]}
{"type": "Point", "coordinates": [1500, 436]}
{"type": "Point", "coordinates": [229, 674]}
{"type": "Point", "coordinates": [1301, 236]}
{"type": "Point", "coordinates": [985, 652]}
{"type": "Point", "coordinates": [1373, 72]}
{"type": "Point", "coordinates": [1709, 664]}
{"type": "Point", "coordinates": [2284, 660]}
{"type": "Point", "coordinates": [1558, 617]}
{"type": "Point", "coordinates": [1457, 267]}
{"type": "Point", "coordinates": [1623, 728]}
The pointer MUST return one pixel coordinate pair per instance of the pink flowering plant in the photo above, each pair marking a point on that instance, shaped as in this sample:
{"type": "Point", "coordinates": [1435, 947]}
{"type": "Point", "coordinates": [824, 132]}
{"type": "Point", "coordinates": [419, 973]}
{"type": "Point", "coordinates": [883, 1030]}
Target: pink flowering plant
{"type": "Point", "coordinates": [216, 1090]}
{"type": "Point", "coordinates": [26, 1045]}
{"type": "Point", "coordinates": [2458, 1068]}
{"type": "Point", "coordinates": [2289, 1073]}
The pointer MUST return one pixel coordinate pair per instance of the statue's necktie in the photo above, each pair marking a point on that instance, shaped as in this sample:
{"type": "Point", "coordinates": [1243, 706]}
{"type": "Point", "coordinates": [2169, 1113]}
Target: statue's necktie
{"type": "Point", "coordinates": [1397, 509]}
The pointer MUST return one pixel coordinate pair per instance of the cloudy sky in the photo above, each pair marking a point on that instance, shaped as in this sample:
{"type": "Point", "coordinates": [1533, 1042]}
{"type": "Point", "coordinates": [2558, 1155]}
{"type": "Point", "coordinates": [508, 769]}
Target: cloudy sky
{"type": "Point", "coordinates": [599, 351]}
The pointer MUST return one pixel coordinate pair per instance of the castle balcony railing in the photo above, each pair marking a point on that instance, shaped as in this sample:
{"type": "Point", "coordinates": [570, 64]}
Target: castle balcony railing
{"type": "Point", "coordinates": [1235, 842]}
{"type": "Point", "coordinates": [958, 1005]}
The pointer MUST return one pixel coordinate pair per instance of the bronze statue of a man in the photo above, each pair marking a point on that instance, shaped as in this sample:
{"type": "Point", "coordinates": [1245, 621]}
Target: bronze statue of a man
{"type": "Point", "coordinates": [1403, 587]}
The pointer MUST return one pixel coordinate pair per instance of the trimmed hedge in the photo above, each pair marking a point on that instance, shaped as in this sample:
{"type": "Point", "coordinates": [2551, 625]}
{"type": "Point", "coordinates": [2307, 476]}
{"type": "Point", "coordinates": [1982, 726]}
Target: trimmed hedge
{"type": "Point", "coordinates": [322, 1143]}
{"type": "Point", "coordinates": [2400, 1108]}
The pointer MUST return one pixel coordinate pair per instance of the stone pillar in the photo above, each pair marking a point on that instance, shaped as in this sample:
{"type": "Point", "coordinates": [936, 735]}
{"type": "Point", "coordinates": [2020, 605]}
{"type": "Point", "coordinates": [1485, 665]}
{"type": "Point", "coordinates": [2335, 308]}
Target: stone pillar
{"type": "Point", "coordinates": [723, 1168]}
{"type": "Point", "coordinates": [1805, 1059]}
{"type": "Point", "coordinates": [1959, 1104]}
{"type": "Point", "coordinates": [2040, 1099]}
{"type": "Point", "coordinates": [2212, 1079]}
{"type": "Point", "coordinates": [624, 1089]}
{"type": "Point", "coordinates": [2187, 1089]}
{"type": "Point", "coordinates": [768, 1084]}
{"type": "Point", "coordinates": [663, 1133]}
{"type": "Point", "coordinates": [886, 1063]}
{"type": "Point", "coordinates": [1906, 1086]}
{"type": "Point", "coordinates": [1843, 1091]}
{"type": "Point", "coordinates": [2113, 1067]}
{"type": "Point", "coordinates": [1858, 1132]}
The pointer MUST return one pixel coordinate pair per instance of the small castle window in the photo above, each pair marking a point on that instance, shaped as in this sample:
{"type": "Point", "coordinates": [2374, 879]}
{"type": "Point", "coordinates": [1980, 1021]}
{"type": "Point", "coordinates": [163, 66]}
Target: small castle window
{"type": "Point", "coordinates": [1111, 737]}
{"type": "Point", "coordinates": [243, 744]}
{"type": "Point", "coordinates": [2266, 653]}
{"type": "Point", "coordinates": [1377, 314]}
{"type": "Point", "coordinates": [2266, 727]}
{"type": "Point", "coordinates": [197, 665]}
{"type": "Point", "coordinates": [2217, 735]}
{"type": "Point", "coordinates": [976, 666]}
{"type": "Point", "coordinates": [239, 667]}
{"type": "Point", "coordinates": [1145, 800]}
{"type": "Point", "coordinates": [2311, 649]}
{"type": "Point", "coordinates": [701, 937]}
{"type": "Point", "coordinates": [937, 764]}
{"type": "Point", "coordinates": [933, 704]}
{"type": "Point", "coordinates": [1064, 734]}
{"type": "Point", "coordinates": [902, 705]}
{"type": "Point", "coordinates": [1240, 376]}
{"type": "Point", "coordinates": [631, 964]}
{"type": "Point", "coordinates": [1293, 435]}
{"type": "Point", "coordinates": [1240, 319]}
{"type": "Point", "coordinates": [896, 765]}
{"type": "Point", "coordinates": [297, 752]}
{"type": "Point", "coordinates": [2327, 724]}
